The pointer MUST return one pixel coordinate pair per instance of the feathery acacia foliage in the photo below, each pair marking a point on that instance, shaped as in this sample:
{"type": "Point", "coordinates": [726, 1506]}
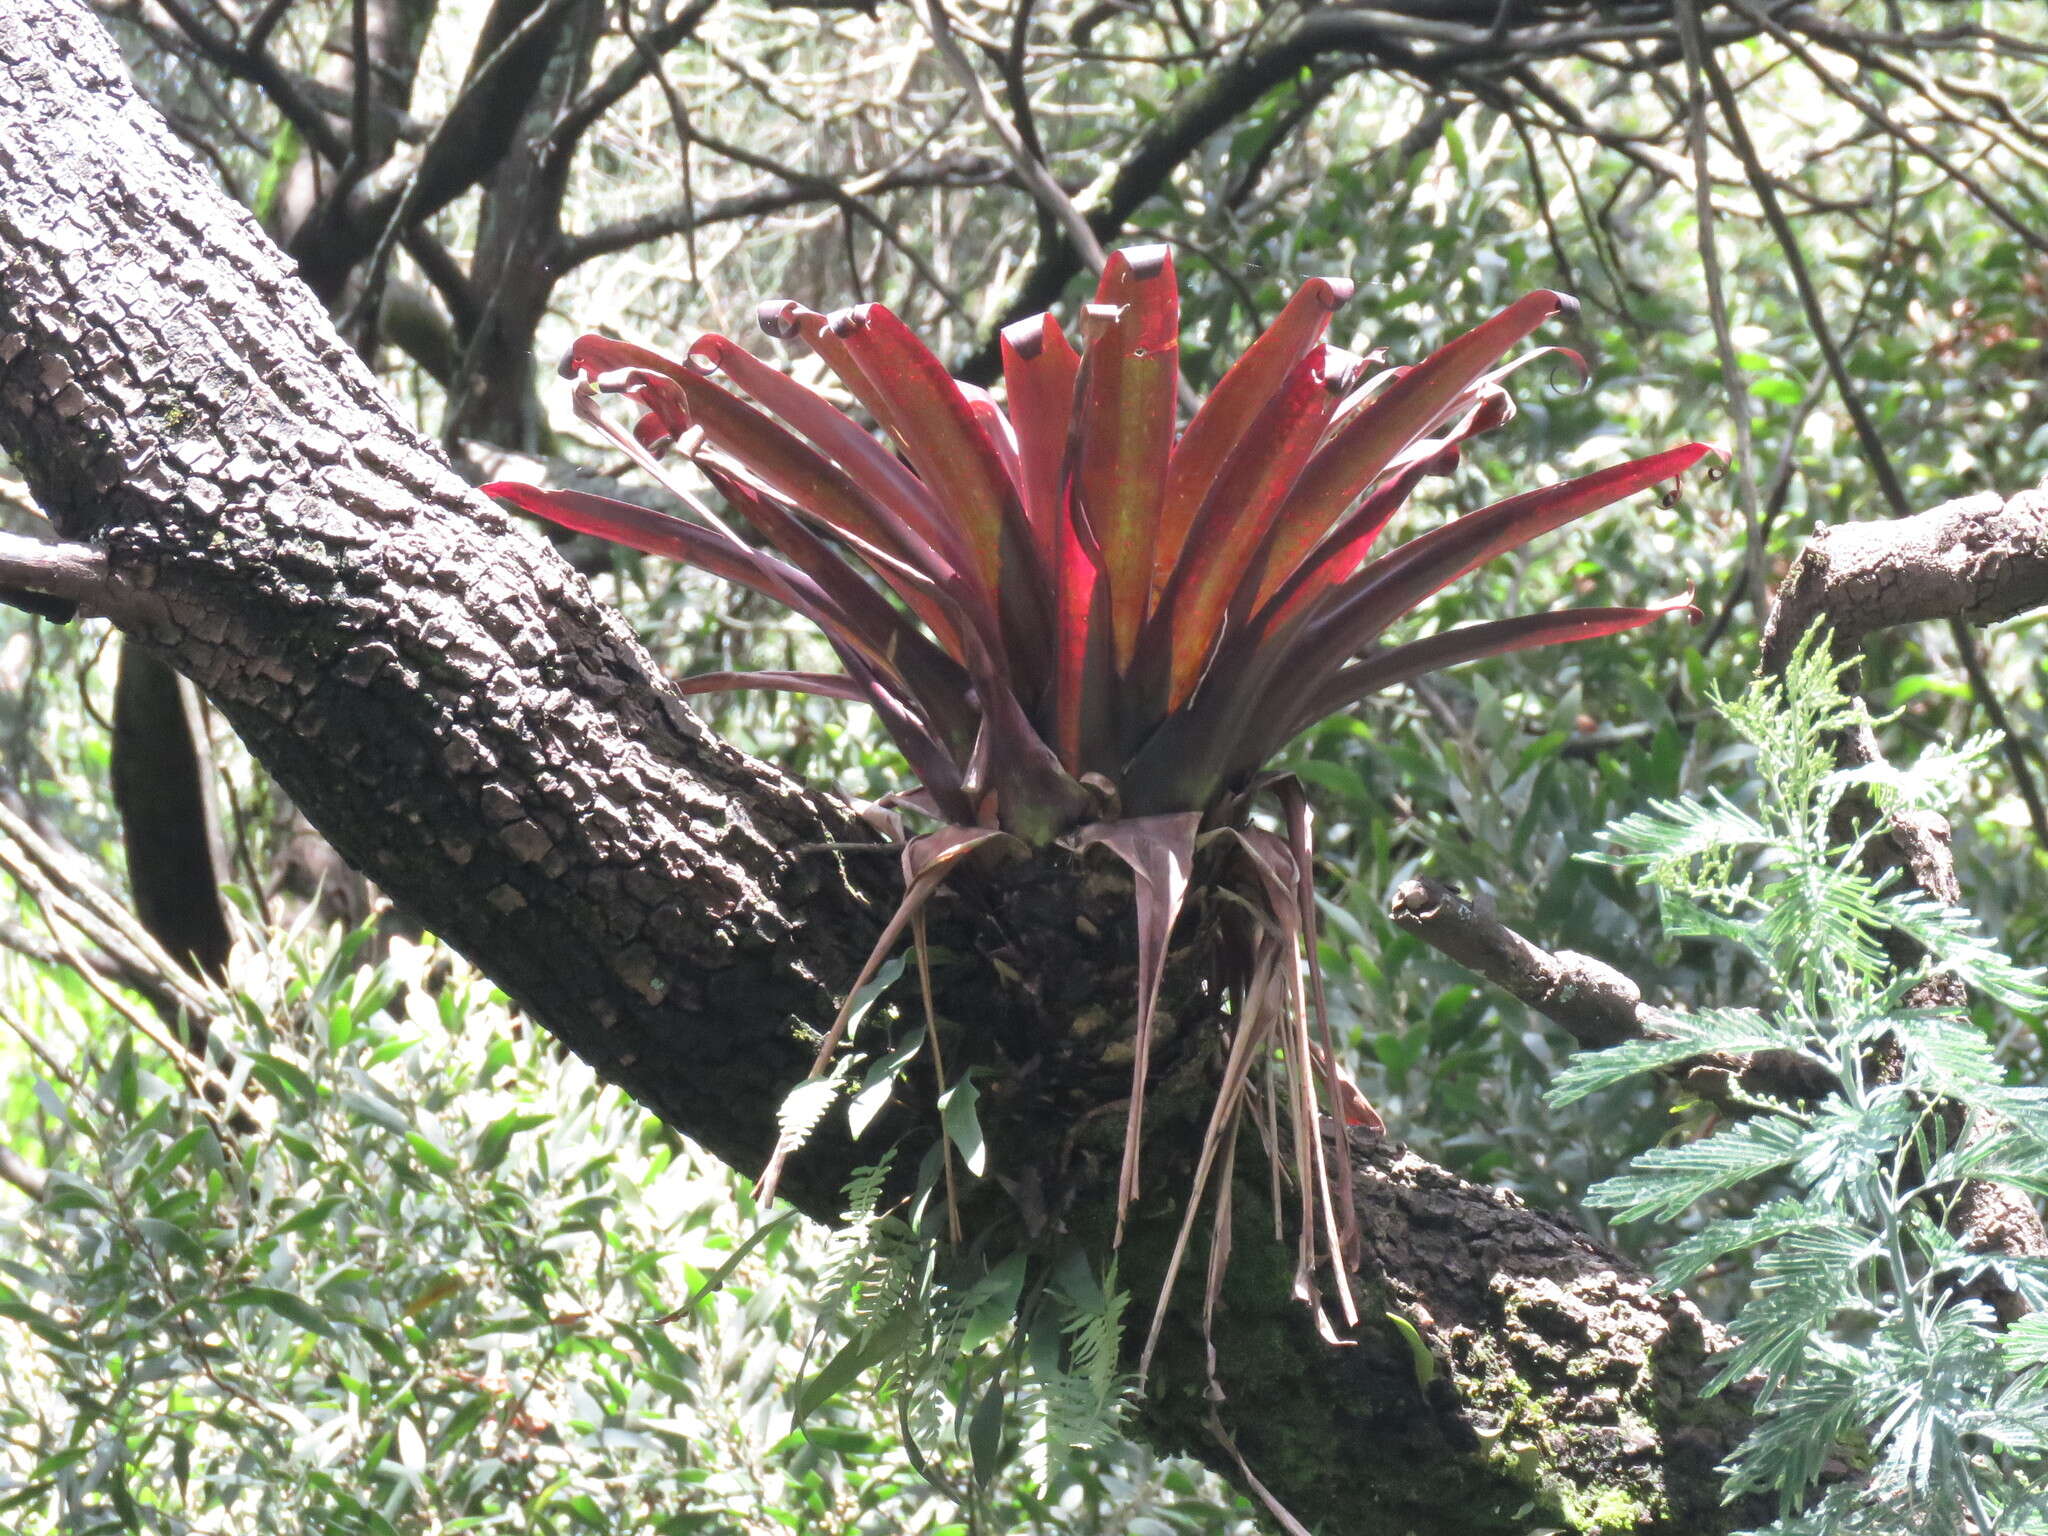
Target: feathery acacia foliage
{"type": "Point", "coordinates": [1861, 1330]}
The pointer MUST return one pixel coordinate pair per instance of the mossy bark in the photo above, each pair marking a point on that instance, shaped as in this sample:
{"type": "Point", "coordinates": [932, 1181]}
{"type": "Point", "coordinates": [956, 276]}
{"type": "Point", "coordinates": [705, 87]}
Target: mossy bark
{"type": "Point", "coordinates": [1507, 1374]}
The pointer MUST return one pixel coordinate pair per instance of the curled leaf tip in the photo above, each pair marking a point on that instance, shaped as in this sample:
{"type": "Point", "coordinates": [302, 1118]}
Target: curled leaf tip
{"type": "Point", "coordinates": [1577, 363]}
{"type": "Point", "coordinates": [1567, 306]}
{"type": "Point", "coordinates": [853, 318]}
{"type": "Point", "coordinates": [1684, 604]}
{"type": "Point", "coordinates": [1096, 319]}
{"type": "Point", "coordinates": [653, 434]}
{"type": "Point", "coordinates": [1145, 262]}
{"type": "Point", "coordinates": [1333, 291]}
{"type": "Point", "coordinates": [1343, 371]}
{"type": "Point", "coordinates": [778, 318]}
{"type": "Point", "coordinates": [1026, 337]}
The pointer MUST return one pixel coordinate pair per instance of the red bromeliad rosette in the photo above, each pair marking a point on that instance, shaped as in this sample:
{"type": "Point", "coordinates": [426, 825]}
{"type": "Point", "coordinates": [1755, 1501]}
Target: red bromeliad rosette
{"type": "Point", "coordinates": [1077, 623]}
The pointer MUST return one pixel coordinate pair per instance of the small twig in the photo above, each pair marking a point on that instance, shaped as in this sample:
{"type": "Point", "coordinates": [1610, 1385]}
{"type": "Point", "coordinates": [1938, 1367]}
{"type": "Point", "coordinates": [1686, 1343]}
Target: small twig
{"type": "Point", "coordinates": [1687, 15]}
{"type": "Point", "coordinates": [24, 1176]}
{"type": "Point", "coordinates": [58, 574]}
{"type": "Point", "coordinates": [1051, 196]}
{"type": "Point", "coordinates": [1037, 178]}
{"type": "Point", "coordinates": [359, 105]}
{"type": "Point", "coordinates": [1761, 184]}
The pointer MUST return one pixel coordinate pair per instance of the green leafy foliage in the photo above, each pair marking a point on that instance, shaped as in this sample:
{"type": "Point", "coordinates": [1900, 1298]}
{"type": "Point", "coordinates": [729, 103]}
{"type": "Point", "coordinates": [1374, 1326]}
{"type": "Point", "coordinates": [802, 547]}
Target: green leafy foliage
{"type": "Point", "coordinates": [1873, 1366]}
{"type": "Point", "coordinates": [444, 1285]}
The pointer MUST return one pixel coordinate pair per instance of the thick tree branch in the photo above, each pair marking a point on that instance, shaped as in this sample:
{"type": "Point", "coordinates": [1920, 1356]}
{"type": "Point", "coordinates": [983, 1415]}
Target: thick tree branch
{"type": "Point", "coordinates": [1978, 559]}
{"type": "Point", "coordinates": [1589, 999]}
{"type": "Point", "coordinates": [54, 581]}
{"type": "Point", "coordinates": [435, 692]}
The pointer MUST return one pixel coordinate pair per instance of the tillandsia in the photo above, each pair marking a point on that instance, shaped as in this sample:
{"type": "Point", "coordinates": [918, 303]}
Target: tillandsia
{"type": "Point", "coordinates": [1081, 621]}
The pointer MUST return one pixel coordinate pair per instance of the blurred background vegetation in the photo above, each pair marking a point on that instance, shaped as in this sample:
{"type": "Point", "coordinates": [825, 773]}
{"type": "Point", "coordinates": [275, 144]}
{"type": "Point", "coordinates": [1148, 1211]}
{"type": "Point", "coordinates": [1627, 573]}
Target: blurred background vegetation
{"type": "Point", "coordinates": [456, 1284]}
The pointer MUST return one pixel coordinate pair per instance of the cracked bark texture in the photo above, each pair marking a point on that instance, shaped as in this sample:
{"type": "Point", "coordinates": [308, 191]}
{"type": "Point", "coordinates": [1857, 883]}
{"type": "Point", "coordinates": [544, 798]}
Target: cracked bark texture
{"type": "Point", "coordinates": [444, 699]}
{"type": "Point", "coordinates": [1979, 559]}
{"type": "Point", "coordinates": [450, 707]}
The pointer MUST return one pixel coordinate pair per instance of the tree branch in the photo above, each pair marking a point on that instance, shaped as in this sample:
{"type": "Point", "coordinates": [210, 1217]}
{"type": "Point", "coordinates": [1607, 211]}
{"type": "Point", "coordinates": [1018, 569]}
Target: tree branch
{"type": "Point", "coordinates": [955, 171]}
{"type": "Point", "coordinates": [1589, 999]}
{"type": "Point", "coordinates": [54, 581]}
{"type": "Point", "coordinates": [1979, 559]}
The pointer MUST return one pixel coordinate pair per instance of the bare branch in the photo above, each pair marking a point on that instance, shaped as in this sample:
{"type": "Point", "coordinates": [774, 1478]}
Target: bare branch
{"type": "Point", "coordinates": [1589, 999]}
{"type": "Point", "coordinates": [75, 575]}
{"type": "Point", "coordinates": [1979, 559]}
{"type": "Point", "coordinates": [957, 171]}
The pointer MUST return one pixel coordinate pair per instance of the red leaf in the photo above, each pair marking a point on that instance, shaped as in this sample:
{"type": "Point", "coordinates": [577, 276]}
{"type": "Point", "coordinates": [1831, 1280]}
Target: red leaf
{"type": "Point", "coordinates": [952, 454]}
{"type": "Point", "coordinates": [590, 356]}
{"type": "Point", "coordinates": [1233, 405]}
{"type": "Point", "coordinates": [1124, 414]}
{"type": "Point", "coordinates": [1084, 658]}
{"type": "Point", "coordinates": [933, 680]}
{"type": "Point", "coordinates": [656, 533]}
{"type": "Point", "coordinates": [1039, 369]}
{"type": "Point", "coordinates": [829, 685]}
{"type": "Point", "coordinates": [1343, 550]}
{"type": "Point", "coordinates": [1262, 685]}
{"type": "Point", "coordinates": [1225, 540]}
{"type": "Point", "coordinates": [1353, 614]}
{"type": "Point", "coordinates": [1455, 647]}
{"type": "Point", "coordinates": [866, 461]}
{"type": "Point", "coordinates": [1364, 444]}
{"type": "Point", "coordinates": [790, 467]}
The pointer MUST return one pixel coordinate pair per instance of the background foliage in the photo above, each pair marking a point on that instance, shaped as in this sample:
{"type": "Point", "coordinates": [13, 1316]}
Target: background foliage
{"type": "Point", "coordinates": [423, 1294]}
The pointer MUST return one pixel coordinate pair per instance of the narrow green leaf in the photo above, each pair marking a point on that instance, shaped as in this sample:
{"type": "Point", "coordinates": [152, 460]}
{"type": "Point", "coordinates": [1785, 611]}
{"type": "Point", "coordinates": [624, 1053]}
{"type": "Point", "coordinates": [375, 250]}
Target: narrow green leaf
{"type": "Point", "coordinates": [496, 1140]}
{"type": "Point", "coordinates": [293, 1309]}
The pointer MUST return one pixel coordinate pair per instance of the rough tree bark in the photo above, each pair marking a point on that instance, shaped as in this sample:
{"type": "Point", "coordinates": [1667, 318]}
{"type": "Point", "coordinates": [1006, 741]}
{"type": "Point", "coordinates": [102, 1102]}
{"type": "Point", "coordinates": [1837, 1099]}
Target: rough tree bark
{"type": "Point", "coordinates": [447, 703]}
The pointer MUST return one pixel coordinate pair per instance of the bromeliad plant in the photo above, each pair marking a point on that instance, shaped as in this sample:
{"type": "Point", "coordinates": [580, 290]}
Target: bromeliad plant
{"type": "Point", "coordinates": [1079, 623]}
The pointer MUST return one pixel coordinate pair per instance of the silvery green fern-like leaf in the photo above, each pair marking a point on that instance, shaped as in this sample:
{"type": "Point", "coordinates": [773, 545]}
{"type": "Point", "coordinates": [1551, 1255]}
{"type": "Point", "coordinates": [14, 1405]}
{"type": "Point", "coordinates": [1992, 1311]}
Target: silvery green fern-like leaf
{"type": "Point", "coordinates": [1929, 781]}
{"type": "Point", "coordinates": [1682, 1035]}
{"type": "Point", "coordinates": [1666, 1181]}
{"type": "Point", "coordinates": [1728, 1235]}
{"type": "Point", "coordinates": [1955, 942]}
